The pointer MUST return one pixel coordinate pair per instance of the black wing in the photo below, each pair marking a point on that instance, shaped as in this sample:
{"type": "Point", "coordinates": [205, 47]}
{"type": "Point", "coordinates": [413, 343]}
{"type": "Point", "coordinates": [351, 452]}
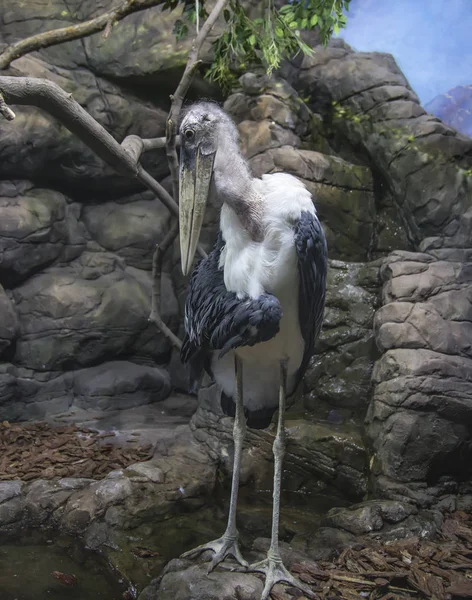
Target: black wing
{"type": "Point", "coordinates": [312, 252]}
{"type": "Point", "coordinates": [216, 319]}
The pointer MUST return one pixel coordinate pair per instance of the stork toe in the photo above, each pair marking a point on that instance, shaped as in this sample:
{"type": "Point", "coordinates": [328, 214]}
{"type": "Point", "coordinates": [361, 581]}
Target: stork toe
{"type": "Point", "coordinates": [222, 547]}
{"type": "Point", "coordinates": [276, 572]}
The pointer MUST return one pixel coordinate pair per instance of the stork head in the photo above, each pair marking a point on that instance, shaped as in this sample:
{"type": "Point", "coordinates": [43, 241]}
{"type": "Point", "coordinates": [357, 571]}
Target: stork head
{"type": "Point", "coordinates": [205, 128]}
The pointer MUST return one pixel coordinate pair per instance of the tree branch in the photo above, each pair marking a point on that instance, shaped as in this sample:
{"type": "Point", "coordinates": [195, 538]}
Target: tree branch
{"type": "Point", "coordinates": [157, 259]}
{"type": "Point", "coordinates": [73, 32]}
{"type": "Point", "coordinates": [5, 110]}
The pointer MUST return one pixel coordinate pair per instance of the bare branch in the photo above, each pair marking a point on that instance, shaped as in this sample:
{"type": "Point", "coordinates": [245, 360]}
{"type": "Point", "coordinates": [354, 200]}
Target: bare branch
{"type": "Point", "coordinates": [181, 91]}
{"type": "Point", "coordinates": [5, 110]}
{"type": "Point", "coordinates": [136, 145]}
{"type": "Point", "coordinates": [54, 100]}
{"type": "Point", "coordinates": [157, 259]}
{"type": "Point", "coordinates": [73, 32]}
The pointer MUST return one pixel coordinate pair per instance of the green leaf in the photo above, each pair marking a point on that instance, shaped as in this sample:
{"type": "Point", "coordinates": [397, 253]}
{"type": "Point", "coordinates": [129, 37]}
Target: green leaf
{"type": "Point", "coordinates": [252, 40]}
{"type": "Point", "coordinates": [336, 28]}
{"type": "Point", "coordinates": [314, 20]}
{"type": "Point", "coordinates": [226, 15]}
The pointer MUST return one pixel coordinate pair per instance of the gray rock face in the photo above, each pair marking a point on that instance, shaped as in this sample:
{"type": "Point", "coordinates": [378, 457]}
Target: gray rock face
{"type": "Point", "coordinates": [338, 382]}
{"type": "Point", "coordinates": [76, 315]}
{"type": "Point", "coordinates": [390, 182]}
{"type": "Point", "coordinates": [184, 581]}
{"type": "Point", "coordinates": [36, 225]}
{"type": "Point", "coordinates": [29, 394]}
{"type": "Point", "coordinates": [119, 385]}
{"type": "Point", "coordinates": [9, 321]}
{"type": "Point", "coordinates": [377, 118]}
{"type": "Point", "coordinates": [319, 455]}
{"type": "Point", "coordinates": [420, 416]}
{"type": "Point", "coordinates": [129, 229]}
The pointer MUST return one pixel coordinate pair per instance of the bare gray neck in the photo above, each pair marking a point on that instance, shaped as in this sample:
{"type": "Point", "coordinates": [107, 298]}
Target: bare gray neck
{"type": "Point", "coordinates": [234, 187]}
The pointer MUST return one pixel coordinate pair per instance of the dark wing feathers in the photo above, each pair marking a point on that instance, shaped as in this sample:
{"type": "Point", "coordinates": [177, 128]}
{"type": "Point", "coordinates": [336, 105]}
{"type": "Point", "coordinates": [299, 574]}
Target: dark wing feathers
{"type": "Point", "coordinates": [310, 244]}
{"type": "Point", "coordinates": [216, 319]}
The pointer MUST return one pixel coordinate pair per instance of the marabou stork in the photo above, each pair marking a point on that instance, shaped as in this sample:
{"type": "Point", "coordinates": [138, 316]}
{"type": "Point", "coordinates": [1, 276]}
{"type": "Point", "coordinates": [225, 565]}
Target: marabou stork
{"type": "Point", "coordinates": [255, 305]}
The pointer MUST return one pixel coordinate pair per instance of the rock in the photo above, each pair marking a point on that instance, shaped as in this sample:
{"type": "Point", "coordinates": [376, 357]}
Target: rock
{"type": "Point", "coordinates": [36, 225]}
{"type": "Point", "coordinates": [184, 581]}
{"type": "Point", "coordinates": [369, 516]}
{"type": "Point", "coordinates": [8, 321]}
{"type": "Point", "coordinates": [86, 505]}
{"type": "Point", "coordinates": [10, 489]}
{"type": "Point", "coordinates": [318, 454]}
{"type": "Point", "coordinates": [131, 229]}
{"type": "Point", "coordinates": [87, 311]}
{"type": "Point", "coordinates": [338, 380]}
{"type": "Point", "coordinates": [56, 150]}
{"type": "Point", "coordinates": [45, 497]}
{"type": "Point", "coordinates": [324, 543]}
{"type": "Point", "coordinates": [377, 118]}
{"type": "Point", "coordinates": [146, 471]}
{"type": "Point", "coordinates": [119, 384]}
{"type": "Point", "coordinates": [419, 419]}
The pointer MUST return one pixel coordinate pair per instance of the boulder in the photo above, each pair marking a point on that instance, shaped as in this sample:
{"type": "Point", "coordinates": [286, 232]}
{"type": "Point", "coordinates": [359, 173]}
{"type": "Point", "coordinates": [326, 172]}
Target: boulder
{"type": "Point", "coordinates": [118, 385]}
{"type": "Point", "coordinates": [87, 311]}
{"type": "Point", "coordinates": [8, 321]}
{"type": "Point", "coordinates": [375, 118]}
{"type": "Point", "coordinates": [320, 455]}
{"type": "Point", "coordinates": [338, 385]}
{"type": "Point", "coordinates": [36, 227]}
{"type": "Point", "coordinates": [130, 229]}
{"type": "Point", "coordinates": [420, 417]}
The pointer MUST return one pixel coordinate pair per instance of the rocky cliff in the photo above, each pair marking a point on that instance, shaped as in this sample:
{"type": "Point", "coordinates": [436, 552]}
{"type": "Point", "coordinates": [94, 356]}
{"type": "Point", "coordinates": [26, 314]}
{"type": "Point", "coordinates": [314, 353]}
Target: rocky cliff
{"type": "Point", "coordinates": [387, 402]}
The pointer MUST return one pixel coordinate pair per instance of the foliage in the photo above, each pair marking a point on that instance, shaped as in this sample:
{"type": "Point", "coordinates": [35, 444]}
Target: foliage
{"type": "Point", "coordinates": [267, 39]}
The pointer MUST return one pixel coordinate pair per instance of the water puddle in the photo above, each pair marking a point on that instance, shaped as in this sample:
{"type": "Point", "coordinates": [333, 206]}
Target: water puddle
{"type": "Point", "coordinates": [27, 565]}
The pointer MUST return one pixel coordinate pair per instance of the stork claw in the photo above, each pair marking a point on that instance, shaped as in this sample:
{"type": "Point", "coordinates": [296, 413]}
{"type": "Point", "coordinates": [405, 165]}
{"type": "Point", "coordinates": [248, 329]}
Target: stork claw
{"type": "Point", "coordinates": [222, 547]}
{"type": "Point", "coordinates": [276, 572]}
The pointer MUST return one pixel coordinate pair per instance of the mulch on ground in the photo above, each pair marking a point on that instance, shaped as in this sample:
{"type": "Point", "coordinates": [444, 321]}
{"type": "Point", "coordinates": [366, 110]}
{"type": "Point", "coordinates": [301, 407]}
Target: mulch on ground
{"type": "Point", "coordinates": [42, 451]}
{"type": "Point", "coordinates": [412, 568]}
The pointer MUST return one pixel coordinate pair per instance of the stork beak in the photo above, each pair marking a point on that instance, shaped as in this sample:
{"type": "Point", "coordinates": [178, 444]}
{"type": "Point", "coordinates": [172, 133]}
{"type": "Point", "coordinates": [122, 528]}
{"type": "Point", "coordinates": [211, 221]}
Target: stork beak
{"type": "Point", "coordinates": [195, 179]}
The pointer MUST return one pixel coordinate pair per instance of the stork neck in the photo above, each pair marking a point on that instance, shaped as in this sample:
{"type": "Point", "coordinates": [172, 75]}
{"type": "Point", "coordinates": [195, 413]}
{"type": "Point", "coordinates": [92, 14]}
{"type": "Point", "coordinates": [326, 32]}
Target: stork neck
{"type": "Point", "coordinates": [234, 186]}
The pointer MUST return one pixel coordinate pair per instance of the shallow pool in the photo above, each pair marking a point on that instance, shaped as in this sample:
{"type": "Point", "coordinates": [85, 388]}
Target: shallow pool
{"type": "Point", "coordinates": [27, 564]}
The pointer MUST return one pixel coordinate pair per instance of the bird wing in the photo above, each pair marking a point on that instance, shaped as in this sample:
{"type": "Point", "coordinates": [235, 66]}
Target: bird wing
{"type": "Point", "coordinates": [216, 319]}
{"type": "Point", "coordinates": [311, 248]}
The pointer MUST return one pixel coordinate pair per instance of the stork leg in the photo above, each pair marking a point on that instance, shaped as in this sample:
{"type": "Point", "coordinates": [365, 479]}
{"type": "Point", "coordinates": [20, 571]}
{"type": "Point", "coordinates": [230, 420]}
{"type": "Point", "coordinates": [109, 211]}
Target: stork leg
{"type": "Point", "coordinates": [272, 566]}
{"type": "Point", "coordinates": [227, 544]}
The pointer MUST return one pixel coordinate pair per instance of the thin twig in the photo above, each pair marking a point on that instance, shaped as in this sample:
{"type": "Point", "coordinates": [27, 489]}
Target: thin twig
{"type": "Point", "coordinates": [157, 259]}
{"type": "Point", "coordinates": [73, 32]}
{"type": "Point", "coordinates": [5, 110]}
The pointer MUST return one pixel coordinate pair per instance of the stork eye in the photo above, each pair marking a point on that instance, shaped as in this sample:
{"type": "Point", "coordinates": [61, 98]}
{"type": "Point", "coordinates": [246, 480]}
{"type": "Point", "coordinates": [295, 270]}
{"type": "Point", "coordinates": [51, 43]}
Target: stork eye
{"type": "Point", "coordinates": [189, 134]}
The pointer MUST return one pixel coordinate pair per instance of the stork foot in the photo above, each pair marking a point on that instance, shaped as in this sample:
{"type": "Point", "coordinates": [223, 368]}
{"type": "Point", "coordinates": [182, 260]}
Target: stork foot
{"type": "Point", "coordinates": [276, 572]}
{"type": "Point", "coordinates": [222, 547]}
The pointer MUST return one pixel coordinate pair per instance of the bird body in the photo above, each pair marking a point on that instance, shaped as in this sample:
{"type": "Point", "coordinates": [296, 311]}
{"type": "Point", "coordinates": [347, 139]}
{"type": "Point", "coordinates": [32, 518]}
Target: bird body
{"type": "Point", "coordinates": [252, 268]}
{"type": "Point", "coordinates": [255, 305]}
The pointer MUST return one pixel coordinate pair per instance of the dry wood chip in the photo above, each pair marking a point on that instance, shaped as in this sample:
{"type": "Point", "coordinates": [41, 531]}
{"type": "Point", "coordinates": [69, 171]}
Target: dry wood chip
{"type": "Point", "coordinates": [39, 450]}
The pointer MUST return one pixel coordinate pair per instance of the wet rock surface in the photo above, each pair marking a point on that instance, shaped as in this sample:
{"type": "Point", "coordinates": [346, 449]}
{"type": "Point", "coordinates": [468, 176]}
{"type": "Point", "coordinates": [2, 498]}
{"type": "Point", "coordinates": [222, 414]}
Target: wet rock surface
{"type": "Point", "coordinates": [380, 566]}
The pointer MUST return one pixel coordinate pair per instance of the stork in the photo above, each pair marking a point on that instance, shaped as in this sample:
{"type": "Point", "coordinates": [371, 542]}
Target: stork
{"type": "Point", "coordinates": [255, 305]}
